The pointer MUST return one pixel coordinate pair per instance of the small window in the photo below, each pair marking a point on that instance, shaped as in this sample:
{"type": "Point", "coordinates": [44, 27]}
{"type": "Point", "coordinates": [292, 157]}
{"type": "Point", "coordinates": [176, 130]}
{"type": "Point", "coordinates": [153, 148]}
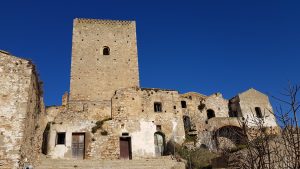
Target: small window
{"type": "Point", "coordinates": [183, 104]}
{"type": "Point", "coordinates": [157, 107]}
{"type": "Point", "coordinates": [158, 127]}
{"type": "Point", "coordinates": [201, 106]}
{"type": "Point", "coordinates": [210, 114]}
{"type": "Point", "coordinates": [106, 50]}
{"type": "Point", "coordinates": [60, 138]}
{"type": "Point", "coordinates": [125, 134]}
{"type": "Point", "coordinates": [258, 112]}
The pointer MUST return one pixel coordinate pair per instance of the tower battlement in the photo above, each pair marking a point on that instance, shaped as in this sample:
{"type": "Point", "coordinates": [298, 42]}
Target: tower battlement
{"type": "Point", "coordinates": [103, 21]}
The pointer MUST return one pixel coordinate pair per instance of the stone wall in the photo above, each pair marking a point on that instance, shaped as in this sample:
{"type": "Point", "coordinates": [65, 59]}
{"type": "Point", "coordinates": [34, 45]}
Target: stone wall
{"type": "Point", "coordinates": [34, 123]}
{"type": "Point", "coordinates": [133, 112]}
{"type": "Point", "coordinates": [95, 76]}
{"type": "Point", "coordinates": [78, 117]}
{"type": "Point", "coordinates": [196, 109]}
{"type": "Point", "coordinates": [246, 103]}
{"type": "Point", "coordinates": [130, 111]}
{"type": "Point", "coordinates": [193, 110]}
{"type": "Point", "coordinates": [218, 104]}
{"type": "Point", "coordinates": [21, 112]}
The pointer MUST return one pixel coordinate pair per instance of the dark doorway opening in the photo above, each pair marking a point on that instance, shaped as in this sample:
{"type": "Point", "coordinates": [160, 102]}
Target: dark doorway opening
{"type": "Point", "coordinates": [45, 139]}
{"type": "Point", "coordinates": [187, 124]}
{"type": "Point", "coordinates": [159, 142]}
{"type": "Point", "coordinates": [125, 148]}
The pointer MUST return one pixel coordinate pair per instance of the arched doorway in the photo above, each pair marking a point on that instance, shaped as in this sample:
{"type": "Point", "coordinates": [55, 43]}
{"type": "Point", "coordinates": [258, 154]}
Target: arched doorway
{"type": "Point", "coordinates": [229, 137]}
{"type": "Point", "coordinates": [159, 143]}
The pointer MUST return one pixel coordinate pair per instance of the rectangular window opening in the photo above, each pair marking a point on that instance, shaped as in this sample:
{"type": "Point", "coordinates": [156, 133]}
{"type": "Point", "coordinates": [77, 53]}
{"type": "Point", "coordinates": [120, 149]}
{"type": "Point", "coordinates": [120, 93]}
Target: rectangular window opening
{"type": "Point", "coordinates": [125, 134]}
{"type": "Point", "coordinates": [183, 104]}
{"type": "Point", "coordinates": [61, 138]}
{"type": "Point", "coordinates": [258, 112]}
{"type": "Point", "coordinates": [157, 107]}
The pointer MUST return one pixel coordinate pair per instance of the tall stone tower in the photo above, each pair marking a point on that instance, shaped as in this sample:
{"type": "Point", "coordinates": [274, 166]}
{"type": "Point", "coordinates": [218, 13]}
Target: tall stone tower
{"type": "Point", "coordinates": [104, 59]}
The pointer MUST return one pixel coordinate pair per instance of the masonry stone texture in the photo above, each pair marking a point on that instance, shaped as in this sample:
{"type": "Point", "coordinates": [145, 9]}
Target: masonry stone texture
{"type": "Point", "coordinates": [22, 112]}
{"type": "Point", "coordinates": [107, 115]}
{"type": "Point", "coordinates": [95, 76]}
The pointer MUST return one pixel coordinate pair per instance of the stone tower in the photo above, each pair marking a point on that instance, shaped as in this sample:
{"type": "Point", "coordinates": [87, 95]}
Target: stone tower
{"type": "Point", "coordinates": [104, 59]}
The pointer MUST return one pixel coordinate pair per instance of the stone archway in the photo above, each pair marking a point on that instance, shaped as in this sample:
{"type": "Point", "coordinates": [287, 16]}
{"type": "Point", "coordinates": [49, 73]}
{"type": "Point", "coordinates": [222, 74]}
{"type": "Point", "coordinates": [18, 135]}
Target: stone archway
{"type": "Point", "coordinates": [159, 143]}
{"type": "Point", "coordinates": [228, 137]}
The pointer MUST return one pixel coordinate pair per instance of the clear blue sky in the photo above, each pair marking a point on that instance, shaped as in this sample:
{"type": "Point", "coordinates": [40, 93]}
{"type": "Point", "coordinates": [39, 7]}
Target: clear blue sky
{"type": "Point", "coordinates": [204, 46]}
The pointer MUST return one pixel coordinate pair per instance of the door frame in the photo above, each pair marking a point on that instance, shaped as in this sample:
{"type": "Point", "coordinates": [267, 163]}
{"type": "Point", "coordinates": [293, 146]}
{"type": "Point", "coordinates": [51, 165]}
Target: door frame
{"type": "Point", "coordinates": [79, 133]}
{"type": "Point", "coordinates": [164, 142]}
{"type": "Point", "coordinates": [129, 146]}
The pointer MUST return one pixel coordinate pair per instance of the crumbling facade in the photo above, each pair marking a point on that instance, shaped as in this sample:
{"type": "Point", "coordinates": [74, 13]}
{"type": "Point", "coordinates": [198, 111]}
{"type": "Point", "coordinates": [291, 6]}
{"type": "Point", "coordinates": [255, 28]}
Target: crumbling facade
{"type": "Point", "coordinates": [106, 114]}
{"type": "Point", "coordinates": [22, 112]}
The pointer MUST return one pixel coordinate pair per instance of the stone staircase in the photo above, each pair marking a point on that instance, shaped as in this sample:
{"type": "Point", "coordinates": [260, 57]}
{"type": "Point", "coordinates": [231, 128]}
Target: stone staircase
{"type": "Point", "coordinates": [161, 163]}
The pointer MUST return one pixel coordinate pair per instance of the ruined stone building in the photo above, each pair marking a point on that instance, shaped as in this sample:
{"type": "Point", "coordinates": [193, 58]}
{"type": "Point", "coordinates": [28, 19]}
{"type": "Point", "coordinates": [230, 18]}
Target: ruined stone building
{"type": "Point", "coordinates": [106, 114]}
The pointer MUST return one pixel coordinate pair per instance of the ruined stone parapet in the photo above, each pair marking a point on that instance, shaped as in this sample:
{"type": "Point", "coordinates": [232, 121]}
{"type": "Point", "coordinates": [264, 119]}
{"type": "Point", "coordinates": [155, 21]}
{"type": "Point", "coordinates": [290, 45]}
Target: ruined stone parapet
{"type": "Point", "coordinates": [65, 99]}
{"type": "Point", "coordinates": [21, 112]}
{"type": "Point", "coordinates": [254, 105]}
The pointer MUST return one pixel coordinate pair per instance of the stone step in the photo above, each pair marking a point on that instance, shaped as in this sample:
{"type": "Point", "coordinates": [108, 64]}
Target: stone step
{"type": "Point", "coordinates": [108, 162]}
{"type": "Point", "coordinates": [160, 163]}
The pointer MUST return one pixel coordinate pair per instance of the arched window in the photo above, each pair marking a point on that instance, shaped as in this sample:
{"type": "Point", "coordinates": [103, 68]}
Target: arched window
{"type": "Point", "coordinates": [106, 50]}
{"type": "Point", "coordinates": [210, 114]}
{"type": "Point", "coordinates": [258, 112]}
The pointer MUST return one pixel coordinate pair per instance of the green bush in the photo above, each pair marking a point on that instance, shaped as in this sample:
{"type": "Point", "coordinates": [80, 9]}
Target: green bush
{"type": "Point", "coordinates": [190, 138]}
{"type": "Point", "coordinates": [199, 158]}
{"type": "Point", "coordinates": [99, 125]}
{"type": "Point", "coordinates": [104, 133]}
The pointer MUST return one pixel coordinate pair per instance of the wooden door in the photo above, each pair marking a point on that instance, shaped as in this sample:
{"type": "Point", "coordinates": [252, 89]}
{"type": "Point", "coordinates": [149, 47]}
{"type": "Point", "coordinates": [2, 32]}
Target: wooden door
{"type": "Point", "coordinates": [125, 147]}
{"type": "Point", "coordinates": [78, 145]}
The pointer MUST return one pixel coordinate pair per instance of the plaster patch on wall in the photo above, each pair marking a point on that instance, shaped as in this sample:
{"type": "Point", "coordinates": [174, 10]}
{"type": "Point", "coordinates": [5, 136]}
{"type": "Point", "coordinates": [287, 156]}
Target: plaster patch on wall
{"type": "Point", "coordinates": [143, 140]}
